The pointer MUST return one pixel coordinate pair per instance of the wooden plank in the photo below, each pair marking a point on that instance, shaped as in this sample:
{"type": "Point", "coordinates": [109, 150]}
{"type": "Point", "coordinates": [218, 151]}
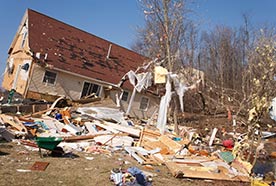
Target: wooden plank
{"type": "Point", "coordinates": [54, 105]}
{"type": "Point", "coordinates": [171, 144]}
{"type": "Point", "coordinates": [141, 138]}
{"type": "Point", "coordinates": [109, 128]}
{"type": "Point", "coordinates": [129, 130]}
{"type": "Point", "coordinates": [132, 153]}
{"type": "Point", "coordinates": [194, 160]}
{"type": "Point", "coordinates": [14, 122]}
{"type": "Point", "coordinates": [39, 112]}
{"type": "Point", "coordinates": [181, 170]}
{"type": "Point", "coordinates": [157, 144]}
{"type": "Point", "coordinates": [85, 137]}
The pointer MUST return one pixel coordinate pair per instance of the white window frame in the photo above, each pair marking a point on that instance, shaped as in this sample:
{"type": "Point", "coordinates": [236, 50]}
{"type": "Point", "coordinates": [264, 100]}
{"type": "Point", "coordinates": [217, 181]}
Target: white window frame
{"type": "Point", "coordinates": [46, 82]}
{"type": "Point", "coordinates": [144, 109]}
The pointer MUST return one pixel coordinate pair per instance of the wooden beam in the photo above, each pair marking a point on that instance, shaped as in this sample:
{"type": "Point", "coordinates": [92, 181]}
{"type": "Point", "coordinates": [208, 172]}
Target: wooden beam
{"type": "Point", "coordinates": [14, 122]}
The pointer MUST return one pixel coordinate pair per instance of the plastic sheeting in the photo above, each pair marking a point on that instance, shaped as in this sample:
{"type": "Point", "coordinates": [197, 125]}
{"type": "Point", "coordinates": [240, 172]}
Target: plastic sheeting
{"type": "Point", "coordinates": [163, 108]}
{"type": "Point", "coordinates": [180, 89]}
{"type": "Point", "coordinates": [143, 80]}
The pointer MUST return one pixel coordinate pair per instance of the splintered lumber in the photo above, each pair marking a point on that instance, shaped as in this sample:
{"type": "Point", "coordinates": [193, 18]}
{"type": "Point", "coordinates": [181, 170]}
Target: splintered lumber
{"type": "Point", "coordinates": [194, 160]}
{"type": "Point", "coordinates": [25, 119]}
{"type": "Point", "coordinates": [133, 154]}
{"type": "Point", "coordinates": [171, 144]}
{"type": "Point", "coordinates": [14, 122]}
{"type": "Point", "coordinates": [147, 135]}
{"type": "Point", "coordinates": [185, 171]}
{"type": "Point", "coordinates": [77, 138]}
{"type": "Point", "coordinates": [111, 138]}
{"type": "Point", "coordinates": [86, 137]}
{"type": "Point", "coordinates": [106, 127]}
{"type": "Point", "coordinates": [157, 144]}
{"type": "Point", "coordinates": [54, 105]}
{"type": "Point", "coordinates": [142, 155]}
{"type": "Point", "coordinates": [116, 127]}
{"type": "Point", "coordinates": [141, 137]}
{"type": "Point", "coordinates": [126, 129]}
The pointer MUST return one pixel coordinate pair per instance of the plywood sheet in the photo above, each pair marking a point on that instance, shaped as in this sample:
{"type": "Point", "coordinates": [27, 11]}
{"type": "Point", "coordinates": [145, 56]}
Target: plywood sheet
{"type": "Point", "coordinates": [184, 171]}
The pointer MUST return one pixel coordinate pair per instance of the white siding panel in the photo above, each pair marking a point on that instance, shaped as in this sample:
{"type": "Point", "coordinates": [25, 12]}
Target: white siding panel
{"type": "Point", "coordinates": [66, 84]}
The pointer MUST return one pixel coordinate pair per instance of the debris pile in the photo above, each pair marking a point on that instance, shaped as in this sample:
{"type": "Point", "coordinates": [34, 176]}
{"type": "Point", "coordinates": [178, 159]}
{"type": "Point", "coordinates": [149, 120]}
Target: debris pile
{"type": "Point", "coordinates": [218, 155]}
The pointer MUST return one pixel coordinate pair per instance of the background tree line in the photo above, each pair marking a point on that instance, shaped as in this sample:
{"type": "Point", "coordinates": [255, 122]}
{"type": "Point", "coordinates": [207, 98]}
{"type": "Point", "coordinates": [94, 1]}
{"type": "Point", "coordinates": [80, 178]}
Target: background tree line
{"type": "Point", "coordinates": [238, 62]}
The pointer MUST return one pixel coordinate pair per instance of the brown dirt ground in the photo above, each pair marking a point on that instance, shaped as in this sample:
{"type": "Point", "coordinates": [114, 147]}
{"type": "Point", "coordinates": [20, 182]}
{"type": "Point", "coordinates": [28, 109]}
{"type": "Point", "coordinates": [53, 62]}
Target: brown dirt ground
{"type": "Point", "coordinates": [80, 171]}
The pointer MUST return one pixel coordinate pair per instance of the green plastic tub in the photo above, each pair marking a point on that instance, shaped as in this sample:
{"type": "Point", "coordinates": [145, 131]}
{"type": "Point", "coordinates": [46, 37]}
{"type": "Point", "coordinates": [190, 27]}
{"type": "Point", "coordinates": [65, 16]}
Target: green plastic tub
{"type": "Point", "coordinates": [49, 143]}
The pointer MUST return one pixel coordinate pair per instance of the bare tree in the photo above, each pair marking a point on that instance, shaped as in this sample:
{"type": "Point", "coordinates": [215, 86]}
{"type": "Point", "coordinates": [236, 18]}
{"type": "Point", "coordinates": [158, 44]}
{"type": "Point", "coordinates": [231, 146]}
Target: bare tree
{"type": "Point", "coordinates": [165, 36]}
{"type": "Point", "coordinates": [165, 32]}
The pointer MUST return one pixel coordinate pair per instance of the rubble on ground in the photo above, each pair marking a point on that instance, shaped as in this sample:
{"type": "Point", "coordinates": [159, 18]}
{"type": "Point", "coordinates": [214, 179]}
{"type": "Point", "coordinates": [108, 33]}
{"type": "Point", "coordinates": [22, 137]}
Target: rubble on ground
{"type": "Point", "coordinates": [216, 155]}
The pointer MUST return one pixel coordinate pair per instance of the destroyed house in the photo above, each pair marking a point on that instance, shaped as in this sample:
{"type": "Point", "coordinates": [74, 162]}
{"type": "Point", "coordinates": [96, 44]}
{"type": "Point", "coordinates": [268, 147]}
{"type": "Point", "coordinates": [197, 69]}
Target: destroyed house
{"type": "Point", "coordinates": [48, 59]}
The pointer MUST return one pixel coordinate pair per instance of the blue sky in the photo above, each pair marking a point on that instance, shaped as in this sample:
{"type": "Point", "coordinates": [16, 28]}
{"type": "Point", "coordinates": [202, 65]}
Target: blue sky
{"type": "Point", "coordinates": [117, 20]}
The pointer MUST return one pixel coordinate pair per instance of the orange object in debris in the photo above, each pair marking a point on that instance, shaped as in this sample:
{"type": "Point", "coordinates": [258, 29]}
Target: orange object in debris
{"type": "Point", "coordinates": [192, 150]}
{"type": "Point", "coordinates": [204, 153]}
{"type": "Point", "coordinates": [273, 154]}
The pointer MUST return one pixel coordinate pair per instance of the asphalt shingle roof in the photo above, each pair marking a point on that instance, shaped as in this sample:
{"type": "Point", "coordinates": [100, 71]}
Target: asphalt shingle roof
{"type": "Point", "coordinates": [74, 50]}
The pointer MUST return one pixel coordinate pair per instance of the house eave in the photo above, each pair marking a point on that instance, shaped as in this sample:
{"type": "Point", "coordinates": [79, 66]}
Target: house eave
{"type": "Point", "coordinates": [85, 77]}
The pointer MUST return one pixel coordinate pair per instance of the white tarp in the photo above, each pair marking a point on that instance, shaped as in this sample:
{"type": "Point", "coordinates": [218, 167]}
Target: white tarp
{"type": "Point", "coordinates": [163, 108]}
{"type": "Point", "coordinates": [180, 89]}
{"type": "Point", "coordinates": [273, 109]}
{"type": "Point", "coordinates": [143, 80]}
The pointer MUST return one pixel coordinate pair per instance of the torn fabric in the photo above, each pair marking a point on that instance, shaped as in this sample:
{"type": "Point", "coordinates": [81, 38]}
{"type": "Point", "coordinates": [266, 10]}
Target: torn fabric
{"type": "Point", "coordinates": [163, 108]}
{"type": "Point", "coordinates": [180, 89]}
{"type": "Point", "coordinates": [143, 80]}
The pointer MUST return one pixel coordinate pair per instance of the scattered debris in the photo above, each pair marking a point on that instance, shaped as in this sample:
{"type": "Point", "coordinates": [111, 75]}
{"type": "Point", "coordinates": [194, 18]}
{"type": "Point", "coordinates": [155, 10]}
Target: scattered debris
{"type": "Point", "coordinates": [39, 166]}
{"type": "Point", "coordinates": [210, 154]}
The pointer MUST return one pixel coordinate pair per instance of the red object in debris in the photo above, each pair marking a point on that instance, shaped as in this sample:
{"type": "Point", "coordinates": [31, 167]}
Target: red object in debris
{"type": "Point", "coordinates": [228, 143]}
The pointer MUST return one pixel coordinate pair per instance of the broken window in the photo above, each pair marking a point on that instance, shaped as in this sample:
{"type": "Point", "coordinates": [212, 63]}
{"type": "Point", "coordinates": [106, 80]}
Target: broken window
{"type": "Point", "coordinates": [49, 77]}
{"type": "Point", "coordinates": [144, 103]}
{"type": "Point", "coordinates": [89, 89]}
{"type": "Point", "coordinates": [24, 33]}
{"type": "Point", "coordinates": [24, 39]}
{"type": "Point", "coordinates": [125, 96]}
